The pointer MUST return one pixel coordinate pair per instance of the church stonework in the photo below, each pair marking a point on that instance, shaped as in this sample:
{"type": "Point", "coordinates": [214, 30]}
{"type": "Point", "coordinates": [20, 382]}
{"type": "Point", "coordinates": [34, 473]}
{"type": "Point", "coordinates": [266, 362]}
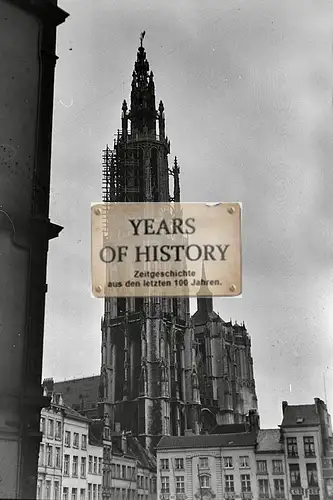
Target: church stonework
{"type": "Point", "coordinates": [163, 371]}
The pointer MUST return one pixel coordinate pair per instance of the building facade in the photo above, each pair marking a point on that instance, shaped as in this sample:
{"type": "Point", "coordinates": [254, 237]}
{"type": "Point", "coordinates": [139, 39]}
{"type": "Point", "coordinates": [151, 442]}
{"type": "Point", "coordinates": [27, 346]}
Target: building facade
{"type": "Point", "coordinates": [292, 462]}
{"type": "Point", "coordinates": [81, 459]}
{"type": "Point", "coordinates": [70, 464]}
{"type": "Point", "coordinates": [271, 465]}
{"type": "Point", "coordinates": [160, 367]}
{"type": "Point", "coordinates": [307, 436]}
{"type": "Point", "coordinates": [221, 466]}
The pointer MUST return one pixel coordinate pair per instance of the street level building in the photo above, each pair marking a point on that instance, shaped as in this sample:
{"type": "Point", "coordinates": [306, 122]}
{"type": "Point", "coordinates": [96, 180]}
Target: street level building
{"type": "Point", "coordinates": [221, 466]}
{"type": "Point", "coordinates": [70, 463]}
{"type": "Point", "coordinates": [271, 464]}
{"type": "Point", "coordinates": [307, 437]}
{"type": "Point", "coordinates": [82, 459]}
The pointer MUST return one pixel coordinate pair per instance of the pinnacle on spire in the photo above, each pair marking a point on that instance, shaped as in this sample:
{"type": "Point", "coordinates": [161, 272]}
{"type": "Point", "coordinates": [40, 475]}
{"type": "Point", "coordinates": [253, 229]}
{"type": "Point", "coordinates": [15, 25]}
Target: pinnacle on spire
{"type": "Point", "coordinates": [143, 112]}
{"type": "Point", "coordinates": [142, 37]}
{"type": "Point", "coordinates": [176, 195]}
{"type": "Point", "coordinates": [205, 299]}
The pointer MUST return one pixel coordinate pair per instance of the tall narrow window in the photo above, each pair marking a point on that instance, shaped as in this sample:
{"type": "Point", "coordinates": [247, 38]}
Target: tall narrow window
{"type": "Point", "coordinates": [121, 306]}
{"type": "Point", "coordinates": [154, 174]}
{"type": "Point", "coordinates": [292, 447]}
{"type": "Point", "coordinates": [311, 471]}
{"type": "Point", "coordinates": [295, 477]}
{"type": "Point", "coordinates": [309, 446]}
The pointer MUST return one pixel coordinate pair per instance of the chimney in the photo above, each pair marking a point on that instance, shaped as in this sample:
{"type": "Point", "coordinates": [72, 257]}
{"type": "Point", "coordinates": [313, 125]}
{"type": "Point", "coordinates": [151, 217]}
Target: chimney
{"type": "Point", "coordinates": [284, 406]}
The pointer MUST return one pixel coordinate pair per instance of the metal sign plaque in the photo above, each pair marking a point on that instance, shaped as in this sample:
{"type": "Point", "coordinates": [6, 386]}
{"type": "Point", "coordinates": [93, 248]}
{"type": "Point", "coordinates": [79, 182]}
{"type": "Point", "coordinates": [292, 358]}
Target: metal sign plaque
{"type": "Point", "coordinates": [166, 249]}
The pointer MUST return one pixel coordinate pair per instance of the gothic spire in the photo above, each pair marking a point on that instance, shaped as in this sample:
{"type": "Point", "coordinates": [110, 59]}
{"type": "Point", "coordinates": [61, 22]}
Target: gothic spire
{"type": "Point", "coordinates": [205, 299]}
{"type": "Point", "coordinates": [143, 112]}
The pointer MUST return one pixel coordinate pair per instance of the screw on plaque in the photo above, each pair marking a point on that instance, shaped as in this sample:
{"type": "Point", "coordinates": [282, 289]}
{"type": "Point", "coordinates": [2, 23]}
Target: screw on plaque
{"type": "Point", "coordinates": [231, 210]}
{"type": "Point", "coordinates": [232, 288]}
{"type": "Point", "coordinates": [98, 289]}
{"type": "Point", "coordinates": [97, 211]}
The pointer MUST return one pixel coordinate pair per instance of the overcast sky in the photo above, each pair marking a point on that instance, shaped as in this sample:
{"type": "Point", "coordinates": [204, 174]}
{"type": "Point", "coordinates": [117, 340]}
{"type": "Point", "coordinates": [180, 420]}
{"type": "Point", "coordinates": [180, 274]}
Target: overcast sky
{"type": "Point", "coordinates": [247, 89]}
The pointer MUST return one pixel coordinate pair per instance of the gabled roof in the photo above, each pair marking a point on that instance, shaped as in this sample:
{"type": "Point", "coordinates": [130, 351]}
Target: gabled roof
{"type": "Point", "coordinates": [300, 416]}
{"type": "Point", "coordinates": [243, 439]}
{"type": "Point", "coordinates": [230, 428]}
{"type": "Point", "coordinates": [80, 393]}
{"type": "Point", "coordinates": [269, 441]}
{"type": "Point", "coordinates": [144, 457]}
{"type": "Point", "coordinates": [70, 413]}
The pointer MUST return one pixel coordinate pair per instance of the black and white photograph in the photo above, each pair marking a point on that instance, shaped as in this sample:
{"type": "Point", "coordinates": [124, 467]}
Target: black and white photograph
{"type": "Point", "coordinates": [202, 369]}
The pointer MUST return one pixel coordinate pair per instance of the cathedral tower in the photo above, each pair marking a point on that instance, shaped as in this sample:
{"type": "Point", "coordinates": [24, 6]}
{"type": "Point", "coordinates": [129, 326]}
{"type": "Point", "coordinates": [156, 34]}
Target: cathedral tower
{"type": "Point", "coordinates": [147, 344]}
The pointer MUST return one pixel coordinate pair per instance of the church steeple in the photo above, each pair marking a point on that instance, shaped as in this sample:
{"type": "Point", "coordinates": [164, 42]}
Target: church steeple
{"type": "Point", "coordinates": [143, 113]}
{"type": "Point", "coordinates": [205, 299]}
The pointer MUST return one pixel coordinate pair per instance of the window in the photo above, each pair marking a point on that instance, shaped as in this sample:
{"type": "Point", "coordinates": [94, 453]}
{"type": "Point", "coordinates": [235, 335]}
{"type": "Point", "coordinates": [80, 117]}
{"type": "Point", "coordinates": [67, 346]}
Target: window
{"type": "Point", "coordinates": [277, 467]}
{"type": "Point", "coordinates": [100, 466]}
{"type": "Point", "coordinates": [118, 470]}
{"type": "Point", "coordinates": [39, 489]}
{"type": "Point", "coordinates": [229, 483]}
{"type": "Point", "coordinates": [58, 430]}
{"type": "Point", "coordinates": [243, 462]}
{"type": "Point", "coordinates": [83, 466]}
{"type": "Point", "coordinates": [90, 464]}
{"type": "Point", "coordinates": [49, 456]}
{"type": "Point", "coordinates": [146, 483]}
{"type": "Point", "coordinates": [50, 428]}
{"type": "Point", "coordinates": [75, 466]}
{"type": "Point", "coordinates": [180, 484]}
{"type": "Point", "coordinates": [309, 447]}
{"type": "Point", "coordinates": [65, 494]}
{"type": "Point", "coordinates": [41, 454]}
{"type": "Point", "coordinates": [42, 425]}
{"type": "Point", "coordinates": [261, 466]}
{"type": "Point", "coordinates": [74, 493]}
{"type": "Point", "coordinates": [94, 491]}
{"type": "Point", "coordinates": [279, 487]}
{"type": "Point", "coordinates": [56, 490]}
{"type": "Point", "coordinates": [166, 424]}
{"type": "Point", "coordinates": [76, 440]}
{"type": "Point", "coordinates": [48, 489]}
{"type": "Point", "coordinates": [203, 463]}
{"type": "Point", "coordinates": [165, 484]}
{"type": "Point", "coordinates": [246, 482]}
{"type": "Point", "coordinates": [95, 465]}
{"type": "Point", "coordinates": [99, 491]}
{"type": "Point", "coordinates": [89, 491]}
{"type": "Point", "coordinates": [263, 486]}
{"type": "Point", "coordinates": [67, 438]}
{"type": "Point", "coordinates": [153, 485]}
{"type": "Point", "coordinates": [84, 441]}
{"type": "Point", "coordinates": [164, 463]}
{"type": "Point", "coordinates": [66, 465]}
{"type": "Point", "coordinates": [82, 494]}
{"type": "Point", "coordinates": [123, 471]}
{"type": "Point", "coordinates": [295, 478]}
{"type": "Point", "coordinates": [292, 447]}
{"type": "Point", "coordinates": [179, 463]}
{"type": "Point", "coordinates": [129, 473]}
{"type": "Point", "coordinates": [312, 474]}
{"type": "Point", "coordinates": [57, 457]}
{"type": "Point", "coordinates": [228, 462]}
